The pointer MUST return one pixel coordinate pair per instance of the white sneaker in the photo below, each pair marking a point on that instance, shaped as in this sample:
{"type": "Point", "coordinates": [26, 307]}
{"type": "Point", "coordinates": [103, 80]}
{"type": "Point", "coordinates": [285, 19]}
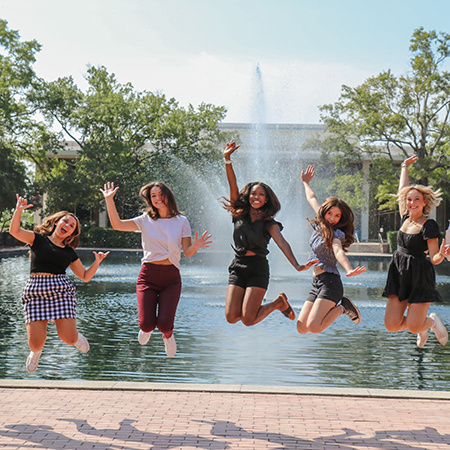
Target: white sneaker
{"type": "Point", "coordinates": [33, 361]}
{"type": "Point", "coordinates": [144, 337]}
{"type": "Point", "coordinates": [171, 346]}
{"type": "Point", "coordinates": [82, 343]}
{"type": "Point", "coordinates": [422, 338]}
{"type": "Point", "coordinates": [439, 330]}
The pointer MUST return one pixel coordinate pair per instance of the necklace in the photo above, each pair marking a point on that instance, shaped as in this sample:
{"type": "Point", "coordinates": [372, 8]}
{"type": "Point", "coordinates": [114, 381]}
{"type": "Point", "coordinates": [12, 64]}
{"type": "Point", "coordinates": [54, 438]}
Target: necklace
{"type": "Point", "coordinates": [413, 222]}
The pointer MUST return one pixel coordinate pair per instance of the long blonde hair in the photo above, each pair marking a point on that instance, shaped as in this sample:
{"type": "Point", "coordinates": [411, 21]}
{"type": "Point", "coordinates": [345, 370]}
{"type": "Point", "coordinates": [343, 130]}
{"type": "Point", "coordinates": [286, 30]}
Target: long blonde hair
{"type": "Point", "coordinates": [432, 198]}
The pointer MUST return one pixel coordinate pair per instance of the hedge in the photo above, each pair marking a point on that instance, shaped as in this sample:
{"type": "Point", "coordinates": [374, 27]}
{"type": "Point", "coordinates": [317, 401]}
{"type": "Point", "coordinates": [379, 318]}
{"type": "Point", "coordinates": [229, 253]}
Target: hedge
{"type": "Point", "coordinates": [392, 240]}
{"type": "Point", "coordinates": [110, 238]}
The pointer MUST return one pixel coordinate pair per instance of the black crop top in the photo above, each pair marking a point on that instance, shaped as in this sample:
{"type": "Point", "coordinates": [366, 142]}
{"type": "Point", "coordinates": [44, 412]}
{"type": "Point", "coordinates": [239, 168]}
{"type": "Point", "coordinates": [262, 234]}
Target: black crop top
{"type": "Point", "coordinates": [49, 258]}
{"type": "Point", "coordinates": [253, 236]}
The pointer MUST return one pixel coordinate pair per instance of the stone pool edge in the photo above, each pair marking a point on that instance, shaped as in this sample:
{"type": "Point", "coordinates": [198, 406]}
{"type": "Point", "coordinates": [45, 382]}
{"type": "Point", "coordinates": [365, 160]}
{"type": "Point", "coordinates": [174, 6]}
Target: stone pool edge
{"type": "Point", "coordinates": [224, 388]}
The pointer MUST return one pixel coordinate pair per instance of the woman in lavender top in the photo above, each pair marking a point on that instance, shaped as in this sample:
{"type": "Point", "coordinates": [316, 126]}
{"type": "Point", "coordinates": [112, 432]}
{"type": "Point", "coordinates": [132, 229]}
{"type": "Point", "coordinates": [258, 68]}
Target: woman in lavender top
{"type": "Point", "coordinates": [333, 234]}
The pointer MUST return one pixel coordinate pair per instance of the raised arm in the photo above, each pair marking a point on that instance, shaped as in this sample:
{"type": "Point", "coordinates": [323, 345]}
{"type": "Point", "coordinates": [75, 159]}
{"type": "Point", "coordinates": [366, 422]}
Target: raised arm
{"type": "Point", "coordinates": [109, 191]}
{"type": "Point", "coordinates": [404, 178]}
{"type": "Point", "coordinates": [307, 176]}
{"type": "Point", "coordinates": [15, 230]}
{"type": "Point", "coordinates": [343, 260]}
{"type": "Point", "coordinates": [231, 176]}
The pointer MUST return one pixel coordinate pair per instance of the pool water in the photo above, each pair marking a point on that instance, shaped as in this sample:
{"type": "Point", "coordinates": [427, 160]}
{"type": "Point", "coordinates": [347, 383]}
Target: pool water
{"type": "Point", "coordinates": [212, 351]}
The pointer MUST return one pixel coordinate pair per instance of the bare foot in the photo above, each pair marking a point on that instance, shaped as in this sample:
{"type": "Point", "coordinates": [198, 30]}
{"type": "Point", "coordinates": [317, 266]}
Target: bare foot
{"type": "Point", "coordinates": [286, 307]}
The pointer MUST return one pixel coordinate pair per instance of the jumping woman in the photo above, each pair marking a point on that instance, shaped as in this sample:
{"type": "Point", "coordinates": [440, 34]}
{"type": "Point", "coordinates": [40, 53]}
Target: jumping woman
{"type": "Point", "coordinates": [411, 281]}
{"type": "Point", "coordinates": [164, 232]}
{"type": "Point", "coordinates": [253, 210]}
{"type": "Point", "coordinates": [333, 234]}
{"type": "Point", "coordinates": [49, 294]}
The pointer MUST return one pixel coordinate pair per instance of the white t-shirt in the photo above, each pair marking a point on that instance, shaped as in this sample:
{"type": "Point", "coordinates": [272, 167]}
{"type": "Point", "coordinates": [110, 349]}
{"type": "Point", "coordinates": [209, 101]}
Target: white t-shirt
{"type": "Point", "coordinates": [161, 238]}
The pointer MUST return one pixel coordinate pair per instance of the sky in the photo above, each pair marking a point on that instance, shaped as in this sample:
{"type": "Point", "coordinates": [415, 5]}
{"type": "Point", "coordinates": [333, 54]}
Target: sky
{"type": "Point", "coordinates": [209, 50]}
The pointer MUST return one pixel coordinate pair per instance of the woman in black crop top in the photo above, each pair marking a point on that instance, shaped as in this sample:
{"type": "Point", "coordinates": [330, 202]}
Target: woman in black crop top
{"type": "Point", "coordinates": [48, 294]}
{"type": "Point", "coordinates": [411, 285]}
{"type": "Point", "coordinates": [253, 210]}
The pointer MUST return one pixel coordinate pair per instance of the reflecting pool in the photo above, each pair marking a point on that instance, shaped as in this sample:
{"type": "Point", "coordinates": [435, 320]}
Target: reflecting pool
{"type": "Point", "coordinates": [212, 351]}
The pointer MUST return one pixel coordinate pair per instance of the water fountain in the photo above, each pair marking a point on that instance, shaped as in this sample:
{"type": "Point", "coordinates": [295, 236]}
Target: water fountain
{"type": "Point", "coordinates": [209, 349]}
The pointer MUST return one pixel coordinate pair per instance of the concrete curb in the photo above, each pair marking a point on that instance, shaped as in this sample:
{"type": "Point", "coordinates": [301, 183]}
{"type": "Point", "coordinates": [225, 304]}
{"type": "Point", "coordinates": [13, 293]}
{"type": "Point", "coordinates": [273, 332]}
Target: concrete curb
{"type": "Point", "coordinates": [224, 388]}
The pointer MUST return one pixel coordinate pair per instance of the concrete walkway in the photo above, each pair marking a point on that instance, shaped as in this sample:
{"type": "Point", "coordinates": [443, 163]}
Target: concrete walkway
{"type": "Point", "coordinates": [123, 415]}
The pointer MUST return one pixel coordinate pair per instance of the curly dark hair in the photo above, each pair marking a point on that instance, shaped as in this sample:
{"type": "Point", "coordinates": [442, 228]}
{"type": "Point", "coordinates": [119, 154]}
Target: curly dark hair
{"type": "Point", "coordinates": [241, 207]}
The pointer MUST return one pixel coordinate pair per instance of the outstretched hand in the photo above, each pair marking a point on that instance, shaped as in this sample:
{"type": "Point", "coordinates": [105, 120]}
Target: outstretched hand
{"type": "Point", "coordinates": [109, 191]}
{"type": "Point", "coordinates": [308, 174]}
{"type": "Point", "coordinates": [306, 266]}
{"type": "Point", "coordinates": [100, 256]}
{"type": "Point", "coordinates": [359, 270]}
{"type": "Point", "coordinates": [203, 241]}
{"type": "Point", "coordinates": [230, 149]}
{"type": "Point", "coordinates": [22, 203]}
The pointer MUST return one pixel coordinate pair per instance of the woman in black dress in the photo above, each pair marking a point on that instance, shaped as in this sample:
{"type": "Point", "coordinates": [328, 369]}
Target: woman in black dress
{"type": "Point", "coordinates": [411, 282]}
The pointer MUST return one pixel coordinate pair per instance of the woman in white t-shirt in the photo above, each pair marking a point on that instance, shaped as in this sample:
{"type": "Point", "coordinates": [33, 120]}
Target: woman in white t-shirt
{"type": "Point", "coordinates": [164, 232]}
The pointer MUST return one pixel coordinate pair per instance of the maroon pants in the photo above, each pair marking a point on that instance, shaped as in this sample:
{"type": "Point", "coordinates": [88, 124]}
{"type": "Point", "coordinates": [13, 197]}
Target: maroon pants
{"type": "Point", "coordinates": [158, 291]}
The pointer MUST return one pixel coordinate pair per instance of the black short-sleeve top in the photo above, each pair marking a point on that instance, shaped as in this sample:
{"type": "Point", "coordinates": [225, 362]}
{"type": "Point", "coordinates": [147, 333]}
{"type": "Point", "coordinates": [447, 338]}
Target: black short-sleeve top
{"type": "Point", "coordinates": [416, 244]}
{"type": "Point", "coordinates": [49, 258]}
{"type": "Point", "coordinates": [252, 236]}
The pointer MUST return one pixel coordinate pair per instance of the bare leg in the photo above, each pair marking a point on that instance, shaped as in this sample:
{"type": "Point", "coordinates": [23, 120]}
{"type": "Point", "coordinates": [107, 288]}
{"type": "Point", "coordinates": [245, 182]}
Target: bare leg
{"type": "Point", "coordinates": [233, 303]}
{"type": "Point", "coordinates": [37, 335]}
{"type": "Point", "coordinates": [394, 316]}
{"type": "Point", "coordinates": [416, 318]}
{"type": "Point", "coordinates": [317, 316]}
{"type": "Point", "coordinates": [67, 330]}
{"type": "Point", "coordinates": [253, 312]}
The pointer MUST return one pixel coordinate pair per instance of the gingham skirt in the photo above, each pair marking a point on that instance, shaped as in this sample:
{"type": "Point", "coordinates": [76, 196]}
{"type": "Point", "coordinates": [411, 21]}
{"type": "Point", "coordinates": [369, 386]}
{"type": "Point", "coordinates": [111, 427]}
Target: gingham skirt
{"type": "Point", "coordinates": [48, 297]}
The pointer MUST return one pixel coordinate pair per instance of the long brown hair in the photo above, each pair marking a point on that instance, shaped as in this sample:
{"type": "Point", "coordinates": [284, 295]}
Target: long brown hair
{"type": "Point", "coordinates": [168, 195]}
{"type": "Point", "coordinates": [345, 224]}
{"type": "Point", "coordinates": [241, 207]}
{"type": "Point", "coordinates": [48, 227]}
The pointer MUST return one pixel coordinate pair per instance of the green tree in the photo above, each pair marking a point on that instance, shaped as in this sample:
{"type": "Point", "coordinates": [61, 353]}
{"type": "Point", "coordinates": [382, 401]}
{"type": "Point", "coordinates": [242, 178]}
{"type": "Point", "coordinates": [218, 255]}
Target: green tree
{"type": "Point", "coordinates": [123, 135]}
{"type": "Point", "coordinates": [20, 133]}
{"type": "Point", "coordinates": [391, 117]}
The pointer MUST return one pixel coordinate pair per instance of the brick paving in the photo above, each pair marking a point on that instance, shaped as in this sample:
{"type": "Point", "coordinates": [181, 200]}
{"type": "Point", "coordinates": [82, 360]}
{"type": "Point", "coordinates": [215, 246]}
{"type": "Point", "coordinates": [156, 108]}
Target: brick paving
{"type": "Point", "coordinates": [60, 418]}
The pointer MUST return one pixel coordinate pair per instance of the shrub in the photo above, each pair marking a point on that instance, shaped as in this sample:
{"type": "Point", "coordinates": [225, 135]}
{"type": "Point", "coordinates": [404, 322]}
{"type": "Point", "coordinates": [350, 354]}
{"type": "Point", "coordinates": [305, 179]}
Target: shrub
{"type": "Point", "coordinates": [392, 240]}
{"type": "Point", "coordinates": [110, 238]}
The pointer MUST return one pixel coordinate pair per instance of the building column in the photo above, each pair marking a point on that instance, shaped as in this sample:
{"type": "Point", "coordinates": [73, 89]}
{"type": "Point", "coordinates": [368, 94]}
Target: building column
{"type": "Point", "coordinates": [103, 219]}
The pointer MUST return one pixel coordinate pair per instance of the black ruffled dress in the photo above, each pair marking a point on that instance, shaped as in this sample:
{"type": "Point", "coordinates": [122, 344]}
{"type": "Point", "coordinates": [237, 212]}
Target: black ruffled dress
{"type": "Point", "coordinates": [411, 274]}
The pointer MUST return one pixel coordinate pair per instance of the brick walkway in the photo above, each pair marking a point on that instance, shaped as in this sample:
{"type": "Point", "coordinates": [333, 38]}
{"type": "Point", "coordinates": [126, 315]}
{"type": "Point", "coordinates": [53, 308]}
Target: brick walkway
{"type": "Point", "coordinates": [111, 418]}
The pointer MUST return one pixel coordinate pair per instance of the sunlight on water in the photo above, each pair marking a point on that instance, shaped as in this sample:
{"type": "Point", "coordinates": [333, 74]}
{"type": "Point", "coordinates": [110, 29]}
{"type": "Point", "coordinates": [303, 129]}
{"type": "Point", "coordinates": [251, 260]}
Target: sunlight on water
{"type": "Point", "coordinates": [212, 351]}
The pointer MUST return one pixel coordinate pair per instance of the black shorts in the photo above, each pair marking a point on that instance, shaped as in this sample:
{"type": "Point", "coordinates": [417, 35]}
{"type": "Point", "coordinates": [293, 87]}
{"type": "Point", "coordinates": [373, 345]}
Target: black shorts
{"type": "Point", "coordinates": [327, 286]}
{"type": "Point", "coordinates": [249, 271]}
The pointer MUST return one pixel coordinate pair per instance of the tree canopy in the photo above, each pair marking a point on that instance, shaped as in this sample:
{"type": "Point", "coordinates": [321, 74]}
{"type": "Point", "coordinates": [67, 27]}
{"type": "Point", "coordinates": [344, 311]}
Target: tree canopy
{"type": "Point", "coordinates": [389, 118]}
{"type": "Point", "coordinates": [122, 135]}
{"type": "Point", "coordinates": [19, 131]}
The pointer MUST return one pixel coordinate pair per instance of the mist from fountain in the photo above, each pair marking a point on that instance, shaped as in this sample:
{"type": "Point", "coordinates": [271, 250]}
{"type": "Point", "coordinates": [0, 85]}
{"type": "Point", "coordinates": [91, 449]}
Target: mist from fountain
{"type": "Point", "coordinates": [265, 156]}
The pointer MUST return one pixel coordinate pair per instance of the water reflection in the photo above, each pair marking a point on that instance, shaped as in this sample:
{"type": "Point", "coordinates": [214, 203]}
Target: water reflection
{"type": "Point", "coordinates": [212, 351]}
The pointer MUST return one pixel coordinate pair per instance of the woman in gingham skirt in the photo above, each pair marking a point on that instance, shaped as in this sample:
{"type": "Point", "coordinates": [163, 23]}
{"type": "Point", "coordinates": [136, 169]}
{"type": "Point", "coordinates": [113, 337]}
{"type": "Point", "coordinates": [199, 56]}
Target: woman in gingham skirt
{"type": "Point", "coordinates": [48, 294]}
